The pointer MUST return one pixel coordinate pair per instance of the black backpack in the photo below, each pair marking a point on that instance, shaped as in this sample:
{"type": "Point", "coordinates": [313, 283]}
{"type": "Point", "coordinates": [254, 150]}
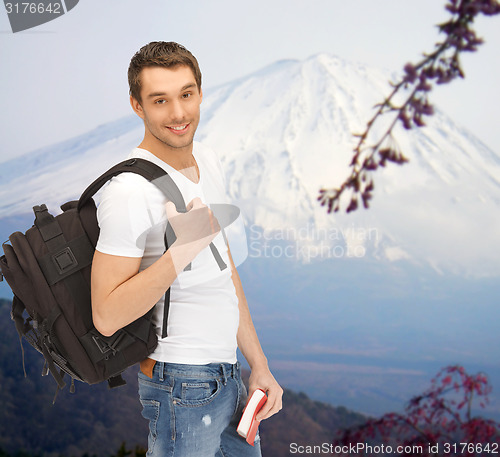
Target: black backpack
{"type": "Point", "coordinates": [48, 270]}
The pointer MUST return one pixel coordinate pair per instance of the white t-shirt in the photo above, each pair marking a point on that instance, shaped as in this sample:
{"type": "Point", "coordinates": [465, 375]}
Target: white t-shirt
{"type": "Point", "coordinates": [203, 317]}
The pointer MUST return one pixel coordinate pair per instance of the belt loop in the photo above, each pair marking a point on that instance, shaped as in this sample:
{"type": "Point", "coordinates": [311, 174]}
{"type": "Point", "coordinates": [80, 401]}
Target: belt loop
{"type": "Point", "coordinates": [161, 369]}
{"type": "Point", "coordinates": [224, 374]}
{"type": "Point", "coordinates": [234, 369]}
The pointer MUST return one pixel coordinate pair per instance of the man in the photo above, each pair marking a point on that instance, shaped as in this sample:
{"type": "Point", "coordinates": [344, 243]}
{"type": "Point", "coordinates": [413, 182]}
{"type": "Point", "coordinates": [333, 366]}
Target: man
{"type": "Point", "coordinates": [190, 387]}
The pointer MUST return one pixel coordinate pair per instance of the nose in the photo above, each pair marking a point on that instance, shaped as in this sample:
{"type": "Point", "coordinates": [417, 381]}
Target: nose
{"type": "Point", "coordinates": [176, 111]}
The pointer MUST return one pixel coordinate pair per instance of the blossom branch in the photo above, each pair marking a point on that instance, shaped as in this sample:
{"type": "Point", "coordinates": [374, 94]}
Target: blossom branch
{"type": "Point", "coordinates": [442, 66]}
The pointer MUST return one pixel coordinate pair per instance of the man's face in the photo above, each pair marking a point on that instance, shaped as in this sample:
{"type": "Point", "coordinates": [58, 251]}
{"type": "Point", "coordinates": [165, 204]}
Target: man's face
{"type": "Point", "coordinates": [170, 105]}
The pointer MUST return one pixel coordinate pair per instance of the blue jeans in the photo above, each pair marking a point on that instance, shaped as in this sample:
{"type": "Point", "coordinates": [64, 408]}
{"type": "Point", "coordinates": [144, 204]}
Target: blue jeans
{"type": "Point", "coordinates": [193, 410]}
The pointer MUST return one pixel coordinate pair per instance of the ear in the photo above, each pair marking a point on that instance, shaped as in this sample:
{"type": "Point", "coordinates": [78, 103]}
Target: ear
{"type": "Point", "coordinates": [201, 95]}
{"type": "Point", "coordinates": [136, 106]}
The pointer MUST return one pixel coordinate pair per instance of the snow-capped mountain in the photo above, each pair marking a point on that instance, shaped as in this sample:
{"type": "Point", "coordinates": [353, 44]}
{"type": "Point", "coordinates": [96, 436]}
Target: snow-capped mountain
{"type": "Point", "coordinates": [287, 132]}
{"type": "Point", "coordinates": [284, 132]}
{"type": "Point", "coordinates": [376, 320]}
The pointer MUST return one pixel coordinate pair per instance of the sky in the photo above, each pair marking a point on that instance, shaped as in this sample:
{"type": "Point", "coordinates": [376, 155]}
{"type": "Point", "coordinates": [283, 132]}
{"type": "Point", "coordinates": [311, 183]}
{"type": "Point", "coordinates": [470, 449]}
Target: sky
{"type": "Point", "coordinates": [68, 76]}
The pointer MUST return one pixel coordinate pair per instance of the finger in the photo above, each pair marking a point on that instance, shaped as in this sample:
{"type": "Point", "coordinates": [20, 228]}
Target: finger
{"type": "Point", "coordinates": [196, 203]}
{"type": "Point", "coordinates": [275, 409]}
{"type": "Point", "coordinates": [268, 405]}
{"type": "Point", "coordinates": [266, 411]}
{"type": "Point", "coordinates": [171, 210]}
{"type": "Point", "coordinates": [271, 407]}
{"type": "Point", "coordinates": [214, 223]}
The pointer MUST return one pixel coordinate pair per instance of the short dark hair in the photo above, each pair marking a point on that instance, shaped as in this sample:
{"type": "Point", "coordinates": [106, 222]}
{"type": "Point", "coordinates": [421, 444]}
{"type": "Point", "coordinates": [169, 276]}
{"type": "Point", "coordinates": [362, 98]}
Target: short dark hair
{"type": "Point", "coordinates": [160, 54]}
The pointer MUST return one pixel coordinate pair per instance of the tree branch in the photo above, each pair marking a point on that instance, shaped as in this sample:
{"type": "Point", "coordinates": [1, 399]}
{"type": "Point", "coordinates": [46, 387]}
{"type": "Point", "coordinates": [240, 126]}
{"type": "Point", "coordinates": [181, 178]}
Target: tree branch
{"type": "Point", "coordinates": [438, 66]}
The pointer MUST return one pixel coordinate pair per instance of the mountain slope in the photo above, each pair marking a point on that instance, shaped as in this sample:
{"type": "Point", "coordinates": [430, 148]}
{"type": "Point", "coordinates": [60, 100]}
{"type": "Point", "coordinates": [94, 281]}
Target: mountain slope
{"type": "Point", "coordinates": [284, 132]}
{"type": "Point", "coordinates": [288, 132]}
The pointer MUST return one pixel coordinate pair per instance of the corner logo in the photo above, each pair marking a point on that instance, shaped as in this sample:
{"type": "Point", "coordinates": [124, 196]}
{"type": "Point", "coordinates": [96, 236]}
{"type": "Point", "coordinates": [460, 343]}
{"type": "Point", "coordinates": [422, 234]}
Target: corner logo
{"type": "Point", "coordinates": [26, 15]}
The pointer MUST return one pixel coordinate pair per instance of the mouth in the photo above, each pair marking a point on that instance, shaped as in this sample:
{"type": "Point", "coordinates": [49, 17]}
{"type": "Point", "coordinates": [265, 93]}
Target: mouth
{"type": "Point", "coordinates": [179, 129]}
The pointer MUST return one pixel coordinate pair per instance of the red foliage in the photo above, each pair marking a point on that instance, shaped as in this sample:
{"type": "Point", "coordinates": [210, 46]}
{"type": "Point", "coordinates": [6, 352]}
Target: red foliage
{"type": "Point", "coordinates": [439, 422]}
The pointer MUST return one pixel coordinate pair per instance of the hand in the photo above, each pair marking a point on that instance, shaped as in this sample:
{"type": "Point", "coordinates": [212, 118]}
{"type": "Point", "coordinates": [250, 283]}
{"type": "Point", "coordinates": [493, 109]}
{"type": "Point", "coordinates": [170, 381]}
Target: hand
{"type": "Point", "coordinates": [263, 379]}
{"type": "Point", "coordinates": [197, 227]}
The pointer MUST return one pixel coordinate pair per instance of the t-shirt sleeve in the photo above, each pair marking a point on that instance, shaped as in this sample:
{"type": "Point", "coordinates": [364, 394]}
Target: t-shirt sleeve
{"type": "Point", "coordinates": [123, 217]}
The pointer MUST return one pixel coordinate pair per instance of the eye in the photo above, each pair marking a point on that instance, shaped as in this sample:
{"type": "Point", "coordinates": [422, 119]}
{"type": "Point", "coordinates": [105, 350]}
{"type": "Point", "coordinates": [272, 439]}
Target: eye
{"type": "Point", "coordinates": [160, 102]}
{"type": "Point", "coordinates": [186, 95]}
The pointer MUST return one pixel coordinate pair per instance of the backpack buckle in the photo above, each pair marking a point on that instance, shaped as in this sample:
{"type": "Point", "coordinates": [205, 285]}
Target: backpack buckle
{"type": "Point", "coordinates": [102, 345]}
{"type": "Point", "coordinates": [64, 260]}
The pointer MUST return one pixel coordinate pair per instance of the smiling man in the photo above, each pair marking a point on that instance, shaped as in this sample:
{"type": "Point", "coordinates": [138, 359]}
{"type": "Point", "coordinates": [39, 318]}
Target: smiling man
{"type": "Point", "coordinates": [190, 387]}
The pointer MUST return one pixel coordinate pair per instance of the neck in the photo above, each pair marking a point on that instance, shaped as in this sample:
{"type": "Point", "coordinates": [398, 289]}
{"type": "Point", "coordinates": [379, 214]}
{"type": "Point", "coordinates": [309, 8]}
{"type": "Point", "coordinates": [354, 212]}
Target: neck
{"type": "Point", "coordinates": [178, 158]}
{"type": "Point", "coordinates": [181, 159]}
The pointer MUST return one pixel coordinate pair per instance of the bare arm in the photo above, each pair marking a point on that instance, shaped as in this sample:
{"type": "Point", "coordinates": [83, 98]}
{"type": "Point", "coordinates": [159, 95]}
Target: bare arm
{"type": "Point", "coordinates": [120, 294]}
{"type": "Point", "coordinates": [250, 347]}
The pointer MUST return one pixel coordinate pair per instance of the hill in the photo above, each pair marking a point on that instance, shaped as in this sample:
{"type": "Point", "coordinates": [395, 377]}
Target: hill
{"type": "Point", "coordinates": [96, 420]}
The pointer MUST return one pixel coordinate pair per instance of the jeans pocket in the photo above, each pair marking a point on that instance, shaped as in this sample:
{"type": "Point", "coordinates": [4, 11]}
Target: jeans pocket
{"type": "Point", "coordinates": [199, 393]}
{"type": "Point", "coordinates": [151, 412]}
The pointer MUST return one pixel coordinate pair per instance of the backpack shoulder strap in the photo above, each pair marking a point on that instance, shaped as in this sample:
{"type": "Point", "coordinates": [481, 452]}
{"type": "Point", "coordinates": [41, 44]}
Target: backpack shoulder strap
{"type": "Point", "coordinates": [161, 179]}
{"type": "Point", "coordinates": [148, 170]}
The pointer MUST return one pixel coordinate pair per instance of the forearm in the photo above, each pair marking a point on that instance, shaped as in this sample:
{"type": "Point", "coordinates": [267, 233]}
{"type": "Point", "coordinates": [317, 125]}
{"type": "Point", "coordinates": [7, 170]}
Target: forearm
{"type": "Point", "coordinates": [137, 294]}
{"type": "Point", "coordinates": [248, 341]}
